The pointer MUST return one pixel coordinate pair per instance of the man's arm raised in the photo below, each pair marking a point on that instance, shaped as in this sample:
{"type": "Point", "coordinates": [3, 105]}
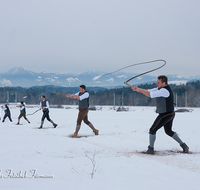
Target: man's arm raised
{"type": "Point", "coordinates": [140, 90]}
{"type": "Point", "coordinates": [73, 96]}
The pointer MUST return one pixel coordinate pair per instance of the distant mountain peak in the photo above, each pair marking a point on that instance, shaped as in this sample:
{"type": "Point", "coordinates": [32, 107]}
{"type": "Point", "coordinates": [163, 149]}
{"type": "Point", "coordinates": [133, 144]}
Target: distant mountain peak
{"type": "Point", "coordinates": [18, 76]}
{"type": "Point", "coordinates": [18, 71]}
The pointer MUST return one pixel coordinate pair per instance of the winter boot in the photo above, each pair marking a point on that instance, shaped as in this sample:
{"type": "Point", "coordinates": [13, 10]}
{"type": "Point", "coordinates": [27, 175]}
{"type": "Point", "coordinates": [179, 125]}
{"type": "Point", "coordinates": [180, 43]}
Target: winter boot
{"type": "Point", "coordinates": [28, 121]}
{"type": "Point", "coordinates": [150, 150]}
{"type": "Point", "coordinates": [185, 148]}
{"type": "Point", "coordinates": [55, 125]}
{"type": "Point", "coordinates": [18, 122]}
{"type": "Point", "coordinates": [41, 125]}
{"type": "Point", "coordinates": [74, 135]}
{"type": "Point", "coordinates": [96, 132]}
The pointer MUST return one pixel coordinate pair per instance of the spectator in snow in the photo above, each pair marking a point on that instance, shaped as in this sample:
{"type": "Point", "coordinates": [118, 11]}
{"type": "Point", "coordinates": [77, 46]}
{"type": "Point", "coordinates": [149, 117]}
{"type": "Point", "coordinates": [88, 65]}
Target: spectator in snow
{"type": "Point", "coordinates": [7, 113]}
{"type": "Point", "coordinates": [83, 97]}
{"type": "Point", "coordinates": [165, 109]}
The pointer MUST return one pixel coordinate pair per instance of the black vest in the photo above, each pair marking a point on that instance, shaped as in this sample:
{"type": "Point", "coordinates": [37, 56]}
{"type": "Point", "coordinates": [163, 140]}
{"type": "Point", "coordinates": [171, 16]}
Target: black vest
{"type": "Point", "coordinates": [165, 104]}
{"type": "Point", "coordinates": [23, 110]}
{"type": "Point", "coordinates": [85, 102]}
{"type": "Point", "coordinates": [7, 111]}
{"type": "Point", "coordinates": [44, 103]}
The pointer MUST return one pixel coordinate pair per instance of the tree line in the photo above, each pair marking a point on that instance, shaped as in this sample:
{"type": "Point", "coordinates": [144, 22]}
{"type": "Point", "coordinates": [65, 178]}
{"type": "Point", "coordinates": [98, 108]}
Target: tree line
{"type": "Point", "coordinates": [184, 95]}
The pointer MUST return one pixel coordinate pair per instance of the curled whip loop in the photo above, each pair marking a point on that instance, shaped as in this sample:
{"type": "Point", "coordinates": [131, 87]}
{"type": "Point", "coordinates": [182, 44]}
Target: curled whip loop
{"type": "Point", "coordinates": [126, 82]}
{"type": "Point", "coordinates": [147, 62]}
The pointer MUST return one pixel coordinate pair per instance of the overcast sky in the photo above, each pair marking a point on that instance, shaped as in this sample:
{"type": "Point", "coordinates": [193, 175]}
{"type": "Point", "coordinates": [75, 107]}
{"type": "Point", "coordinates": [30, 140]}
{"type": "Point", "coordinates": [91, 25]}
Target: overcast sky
{"type": "Point", "coordinates": [74, 36]}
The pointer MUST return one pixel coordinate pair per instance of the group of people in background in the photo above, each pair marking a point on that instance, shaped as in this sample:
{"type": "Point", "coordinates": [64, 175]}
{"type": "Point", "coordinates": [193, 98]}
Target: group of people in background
{"type": "Point", "coordinates": [44, 105]}
{"type": "Point", "coordinates": [82, 96]}
{"type": "Point", "coordinates": [8, 113]}
{"type": "Point", "coordinates": [164, 104]}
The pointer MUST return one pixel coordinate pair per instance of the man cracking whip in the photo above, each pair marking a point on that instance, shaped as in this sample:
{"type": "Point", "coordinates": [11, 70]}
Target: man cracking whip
{"type": "Point", "coordinates": [22, 108]}
{"type": "Point", "coordinates": [7, 113]}
{"type": "Point", "coordinates": [83, 97]}
{"type": "Point", "coordinates": [44, 105]}
{"type": "Point", "coordinates": [165, 109]}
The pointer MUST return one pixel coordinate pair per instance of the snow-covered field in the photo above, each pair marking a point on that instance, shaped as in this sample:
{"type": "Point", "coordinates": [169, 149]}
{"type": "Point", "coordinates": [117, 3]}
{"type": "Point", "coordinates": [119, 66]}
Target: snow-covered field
{"type": "Point", "coordinates": [49, 159]}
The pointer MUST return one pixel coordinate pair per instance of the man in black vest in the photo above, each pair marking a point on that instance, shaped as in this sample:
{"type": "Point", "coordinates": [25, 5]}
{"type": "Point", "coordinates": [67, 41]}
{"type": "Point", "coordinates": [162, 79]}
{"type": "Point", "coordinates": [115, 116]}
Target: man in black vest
{"type": "Point", "coordinates": [83, 97]}
{"type": "Point", "coordinates": [44, 105]}
{"type": "Point", "coordinates": [22, 112]}
{"type": "Point", "coordinates": [165, 109]}
{"type": "Point", "coordinates": [7, 113]}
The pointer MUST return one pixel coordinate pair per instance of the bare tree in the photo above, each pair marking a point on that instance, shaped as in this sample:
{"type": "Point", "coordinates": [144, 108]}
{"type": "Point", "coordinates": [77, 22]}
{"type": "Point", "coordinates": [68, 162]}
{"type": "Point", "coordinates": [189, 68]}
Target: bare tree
{"type": "Point", "coordinates": [92, 159]}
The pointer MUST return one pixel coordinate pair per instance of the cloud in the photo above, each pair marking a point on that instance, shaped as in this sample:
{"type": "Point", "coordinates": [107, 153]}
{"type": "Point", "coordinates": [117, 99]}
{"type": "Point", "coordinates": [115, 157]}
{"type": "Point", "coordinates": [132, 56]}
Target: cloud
{"type": "Point", "coordinates": [72, 79]}
{"type": "Point", "coordinates": [122, 76]}
{"type": "Point", "coordinates": [98, 82]}
{"type": "Point", "coordinates": [97, 77]}
{"type": "Point", "coordinates": [139, 78]}
{"type": "Point", "coordinates": [6, 82]}
{"type": "Point", "coordinates": [110, 80]}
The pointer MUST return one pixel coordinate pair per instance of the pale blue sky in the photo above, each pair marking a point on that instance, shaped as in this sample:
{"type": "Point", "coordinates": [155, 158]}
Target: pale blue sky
{"type": "Point", "coordinates": [74, 36]}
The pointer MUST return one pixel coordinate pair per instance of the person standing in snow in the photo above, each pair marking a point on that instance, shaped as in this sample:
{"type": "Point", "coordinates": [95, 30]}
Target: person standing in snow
{"type": "Point", "coordinates": [22, 113]}
{"type": "Point", "coordinates": [165, 109]}
{"type": "Point", "coordinates": [7, 113]}
{"type": "Point", "coordinates": [44, 105]}
{"type": "Point", "coordinates": [83, 97]}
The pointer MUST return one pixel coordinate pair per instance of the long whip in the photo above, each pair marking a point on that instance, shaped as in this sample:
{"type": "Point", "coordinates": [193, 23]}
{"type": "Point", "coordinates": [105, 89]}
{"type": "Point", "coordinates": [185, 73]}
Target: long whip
{"type": "Point", "coordinates": [126, 82]}
{"type": "Point", "coordinates": [147, 62]}
{"type": "Point", "coordinates": [33, 112]}
{"type": "Point", "coordinates": [60, 94]}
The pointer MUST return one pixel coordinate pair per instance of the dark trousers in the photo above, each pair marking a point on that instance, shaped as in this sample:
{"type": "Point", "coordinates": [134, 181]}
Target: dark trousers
{"type": "Point", "coordinates": [22, 115]}
{"type": "Point", "coordinates": [46, 115]}
{"type": "Point", "coordinates": [82, 116]}
{"type": "Point", "coordinates": [166, 120]}
{"type": "Point", "coordinates": [7, 115]}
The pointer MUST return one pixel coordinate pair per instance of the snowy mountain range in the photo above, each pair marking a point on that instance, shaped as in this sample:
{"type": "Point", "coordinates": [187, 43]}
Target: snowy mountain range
{"type": "Point", "coordinates": [19, 76]}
